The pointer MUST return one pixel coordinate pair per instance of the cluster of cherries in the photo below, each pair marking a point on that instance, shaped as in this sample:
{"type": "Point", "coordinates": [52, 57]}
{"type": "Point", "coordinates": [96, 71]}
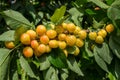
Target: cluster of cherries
{"type": "Point", "coordinates": [42, 40]}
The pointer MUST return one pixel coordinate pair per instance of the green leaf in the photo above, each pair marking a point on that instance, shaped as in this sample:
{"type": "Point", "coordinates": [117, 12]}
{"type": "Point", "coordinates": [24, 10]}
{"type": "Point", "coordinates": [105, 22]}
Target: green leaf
{"type": "Point", "coordinates": [104, 52]}
{"type": "Point", "coordinates": [116, 37]}
{"type": "Point", "coordinates": [71, 49]}
{"type": "Point", "coordinates": [115, 44]}
{"type": "Point", "coordinates": [58, 14]}
{"type": "Point", "coordinates": [89, 53]}
{"type": "Point", "coordinates": [96, 24]}
{"type": "Point", "coordinates": [109, 2]}
{"type": "Point", "coordinates": [117, 69]}
{"type": "Point", "coordinates": [13, 71]}
{"type": "Point", "coordinates": [100, 61]}
{"type": "Point", "coordinates": [100, 4]}
{"type": "Point", "coordinates": [116, 2]}
{"type": "Point", "coordinates": [23, 74]}
{"type": "Point", "coordinates": [7, 36]}
{"type": "Point", "coordinates": [78, 2]}
{"type": "Point", "coordinates": [51, 74]}
{"type": "Point", "coordinates": [4, 53]}
{"type": "Point", "coordinates": [15, 76]}
{"type": "Point", "coordinates": [36, 62]}
{"type": "Point", "coordinates": [57, 58]}
{"type": "Point", "coordinates": [31, 10]}
{"type": "Point", "coordinates": [26, 67]}
{"type": "Point", "coordinates": [18, 67]}
{"type": "Point", "coordinates": [44, 62]}
{"type": "Point", "coordinates": [39, 17]}
{"type": "Point", "coordinates": [4, 67]}
{"type": "Point", "coordinates": [85, 55]}
{"type": "Point", "coordinates": [76, 15]}
{"type": "Point", "coordinates": [14, 19]}
{"type": "Point", "coordinates": [20, 30]}
{"type": "Point", "coordinates": [90, 12]}
{"type": "Point", "coordinates": [64, 74]}
{"type": "Point", "coordinates": [73, 65]}
{"type": "Point", "coordinates": [48, 25]}
{"type": "Point", "coordinates": [111, 76]}
{"type": "Point", "coordinates": [114, 10]}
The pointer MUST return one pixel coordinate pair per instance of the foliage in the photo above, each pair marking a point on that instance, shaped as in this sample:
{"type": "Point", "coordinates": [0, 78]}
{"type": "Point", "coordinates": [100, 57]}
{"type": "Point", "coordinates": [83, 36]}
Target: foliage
{"type": "Point", "coordinates": [94, 62]}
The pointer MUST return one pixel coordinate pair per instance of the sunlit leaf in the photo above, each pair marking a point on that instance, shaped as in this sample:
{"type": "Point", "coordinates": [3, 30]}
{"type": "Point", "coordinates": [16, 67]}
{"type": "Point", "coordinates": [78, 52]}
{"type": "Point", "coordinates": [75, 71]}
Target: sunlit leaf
{"type": "Point", "coordinates": [14, 19]}
{"type": "Point", "coordinates": [100, 61]}
{"type": "Point", "coordinates": [64, 74]}
{"type": "Point", "coordinates": [7, 36]}
{"type": "Point", "coordinates": [90, 12]}
{"type": "Point", "coordinates": [58, 14]}
{"type": "Point", "coordinates": [76, 15]}
{"type": "Point", "coordinates": [44, 62]}
{"type": "Point", "coordinates": [96, 24]}
{"type": "Point", "coordinates": [4, 53]}
{"type": "Point", "coordinates": [20, 30]}
{"type": "Point", "coordinates": [104, 53]}
{"type": "Point", "coordinates": [23, 74]}
{"type": "Point", "coordinates": [89, 53]}
{"type": "Point", "coordinates": [26, 67]}
{"type": "Point", "coordinates": [51, 74]}
{"type": "Point", "coordinates": [111, 76]}
{"type": "Point", "coordinates": [4, 67]}
{"type": "Point", "coordinates": [15, 76]}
